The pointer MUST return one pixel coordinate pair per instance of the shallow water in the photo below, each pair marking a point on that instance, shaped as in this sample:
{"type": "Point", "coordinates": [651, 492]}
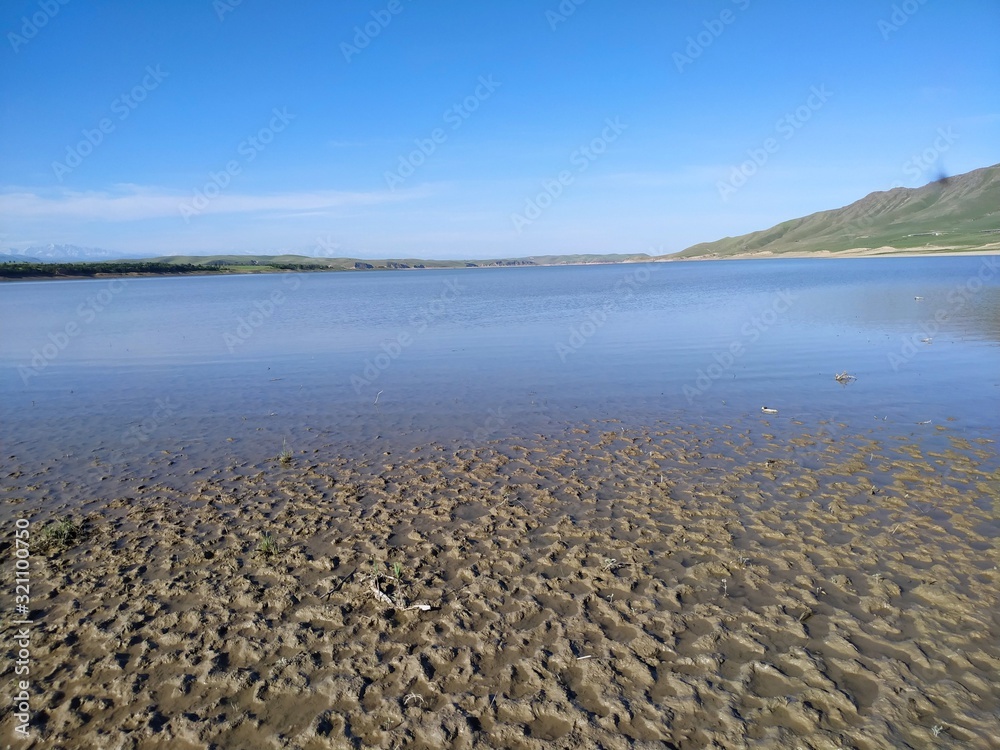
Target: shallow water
{"type": "Point", "coordinates": [134, 367]}
{"type": "Point", "coordinates": [606, 557]}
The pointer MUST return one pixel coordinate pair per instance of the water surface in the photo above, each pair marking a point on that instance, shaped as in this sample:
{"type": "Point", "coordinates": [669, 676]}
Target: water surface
{"type": "Point", "coordinates": [149, 365]}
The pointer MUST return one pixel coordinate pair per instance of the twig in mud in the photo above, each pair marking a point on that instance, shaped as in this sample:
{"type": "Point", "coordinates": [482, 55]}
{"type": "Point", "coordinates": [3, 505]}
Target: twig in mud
{"type": "Point", "coordinates": [340, 584]}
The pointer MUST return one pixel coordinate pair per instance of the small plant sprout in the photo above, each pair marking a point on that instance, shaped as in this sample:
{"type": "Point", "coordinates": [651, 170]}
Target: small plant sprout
{"type": "Point", "coordinates": [267, 547]}
{"type": "Point", "coordinates": [397, 570]}
{"type": "Point", "coordinates": [725, 587]}
{"type": "Point", "coordinates": [285, 457]}
{"type": "Point", "coordinates": [877, 578]}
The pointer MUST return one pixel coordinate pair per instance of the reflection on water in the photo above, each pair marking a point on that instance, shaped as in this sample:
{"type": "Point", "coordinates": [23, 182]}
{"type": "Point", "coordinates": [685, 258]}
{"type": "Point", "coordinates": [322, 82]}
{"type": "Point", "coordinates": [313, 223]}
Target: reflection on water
{"type": "Point", "coordinates": [139, 363]}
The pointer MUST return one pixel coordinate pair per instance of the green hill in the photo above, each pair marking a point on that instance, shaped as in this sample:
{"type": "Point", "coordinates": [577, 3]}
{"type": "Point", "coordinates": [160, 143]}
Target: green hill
{"type": "Point", "coordinates": [952, 214]}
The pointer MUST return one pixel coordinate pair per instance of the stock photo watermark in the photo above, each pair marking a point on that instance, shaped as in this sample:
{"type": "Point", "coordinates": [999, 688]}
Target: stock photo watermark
{"type": "Point", "coordinates": [495, 420]}
{"type": "Point", "coordinates": [713, 29]}
{"type": "Point", "coordinates": [327, 247]}
{"type": "Point", "coordinates": [223, 8]}
{"type": "Point", "coordinates": [901, 13]}
{"type": "Point", "coordinates": [916, 167]}
{"type": "Point", "coordinates": [553, 187]}
{"type": "Point", "coordinates": [596, 318]}
{"type": "Point", "coordinates": [918, 164]}
{"type": "Point", "coordinates": [249, 149]}
{"type": "Point", "coordinates": [139, 433]}
{"type": "Point", "coordinates": [364, 34]}
{"type": "Point", "coordinates": [956, 300]}
{"type": "Point", "coordinates": [262, 311]}
{"type": "Point", "coordinates": [31, 25]}
{"type": "Point", "coordinates": [785, 129]}
{"type": "Point", "coordinates": [750, 333]}
{"type": "Point", "coordinates": [419, 322]}
{"type": "Point", "coordinates": [20, 641]}
{"type": "Point", "coordinates": [122, 106]}
{"type": "Point", "coordinates": [58, 340]}
{"type": "Point", "coordinates": [454, 117]}
{"type": "Point", "coordinates": [562, 12]}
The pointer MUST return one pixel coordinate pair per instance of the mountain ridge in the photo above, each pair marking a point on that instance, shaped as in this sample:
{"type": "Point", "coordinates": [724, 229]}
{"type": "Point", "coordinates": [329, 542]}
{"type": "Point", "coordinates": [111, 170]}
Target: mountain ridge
{"type": "Point", "coordinates": [953, 214]}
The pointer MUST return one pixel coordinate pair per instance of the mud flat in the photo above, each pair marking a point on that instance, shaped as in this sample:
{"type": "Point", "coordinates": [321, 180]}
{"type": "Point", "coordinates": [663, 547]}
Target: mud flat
{"type": "Point", "coordinates": [610, 587]}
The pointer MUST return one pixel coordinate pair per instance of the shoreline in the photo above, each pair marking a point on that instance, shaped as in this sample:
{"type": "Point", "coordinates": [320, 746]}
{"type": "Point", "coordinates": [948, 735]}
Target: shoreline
{"type": "Point", "coordinates": [819, 255]}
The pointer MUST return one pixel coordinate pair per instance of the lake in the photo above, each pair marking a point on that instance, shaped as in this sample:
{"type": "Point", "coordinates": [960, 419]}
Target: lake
{"type": "Point", "coordinates": [140, 366]}
{"type": "Point", "coordinates": [511, 503]}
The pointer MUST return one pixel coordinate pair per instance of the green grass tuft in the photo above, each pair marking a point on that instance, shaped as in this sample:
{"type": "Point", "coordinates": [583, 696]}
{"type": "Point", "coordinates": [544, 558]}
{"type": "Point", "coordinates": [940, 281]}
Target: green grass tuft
{"type": "Point", "coordinates": [267, 547]}
{"type": "Point", "coordinates": [57, 536]}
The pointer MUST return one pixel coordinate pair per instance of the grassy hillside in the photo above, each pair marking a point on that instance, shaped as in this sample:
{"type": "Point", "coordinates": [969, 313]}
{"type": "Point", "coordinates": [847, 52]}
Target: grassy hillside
{"type": "Point", "coordinates": [958, 213]}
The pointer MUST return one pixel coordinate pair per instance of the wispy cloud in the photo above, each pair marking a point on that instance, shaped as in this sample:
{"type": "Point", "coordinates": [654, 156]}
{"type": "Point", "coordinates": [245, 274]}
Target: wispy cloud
{"type": "Point", "coordinates": [136, 203]}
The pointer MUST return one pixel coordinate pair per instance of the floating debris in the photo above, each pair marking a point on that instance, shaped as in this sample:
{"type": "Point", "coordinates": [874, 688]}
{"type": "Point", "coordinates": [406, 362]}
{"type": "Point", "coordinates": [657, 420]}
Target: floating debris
{"type": "Point", "coordinates": [918, 299]}
{"type": "Point", "coordinates": [844, 377]}
{"type": "Point", "coordinates": [927, 341]}
{"type": "Point", "coordinates": [768, 410]}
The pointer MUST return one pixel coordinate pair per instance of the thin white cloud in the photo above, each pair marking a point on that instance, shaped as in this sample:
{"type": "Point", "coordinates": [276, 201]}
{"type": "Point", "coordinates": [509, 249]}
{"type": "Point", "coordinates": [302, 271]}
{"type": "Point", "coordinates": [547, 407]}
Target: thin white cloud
{"type": "Point", "coordinates": [135, 203]}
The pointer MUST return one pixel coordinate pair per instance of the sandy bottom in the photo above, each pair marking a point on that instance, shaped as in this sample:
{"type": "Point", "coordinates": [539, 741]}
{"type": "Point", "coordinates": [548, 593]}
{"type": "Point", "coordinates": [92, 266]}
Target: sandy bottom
{"type": "Point", "coordinates": [612, 588]}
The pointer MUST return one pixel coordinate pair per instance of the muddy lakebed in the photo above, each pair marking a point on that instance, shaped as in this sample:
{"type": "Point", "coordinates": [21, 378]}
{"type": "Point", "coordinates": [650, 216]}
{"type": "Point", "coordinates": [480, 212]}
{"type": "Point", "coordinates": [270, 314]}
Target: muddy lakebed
{"type": "Point", "coordinates": [498, 543]}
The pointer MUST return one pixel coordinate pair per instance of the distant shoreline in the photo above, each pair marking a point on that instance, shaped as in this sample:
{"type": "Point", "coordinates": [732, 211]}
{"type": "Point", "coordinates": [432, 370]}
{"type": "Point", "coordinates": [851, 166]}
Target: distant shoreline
{"type": "Point", "coordinates": [40, 271]}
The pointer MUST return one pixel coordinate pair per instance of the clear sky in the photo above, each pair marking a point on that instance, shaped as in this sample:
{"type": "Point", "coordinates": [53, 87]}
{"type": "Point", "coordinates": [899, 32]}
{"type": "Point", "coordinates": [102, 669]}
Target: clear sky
{"type": "Point", "coordinates": [461, 128]}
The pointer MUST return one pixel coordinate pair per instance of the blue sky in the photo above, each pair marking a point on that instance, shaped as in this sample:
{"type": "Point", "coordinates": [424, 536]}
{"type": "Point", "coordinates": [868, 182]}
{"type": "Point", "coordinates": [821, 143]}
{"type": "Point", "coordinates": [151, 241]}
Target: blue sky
{"type": "Point", "coordinates": [450, 128]}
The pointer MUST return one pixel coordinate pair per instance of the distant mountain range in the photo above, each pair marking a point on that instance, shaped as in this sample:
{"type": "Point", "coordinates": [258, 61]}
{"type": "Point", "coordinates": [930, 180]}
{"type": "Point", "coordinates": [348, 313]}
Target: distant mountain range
{"type": "Point", "coordinates": [60, 254]}
{"type": "Point", "coordinates": [953, 214]}
{"type": "Point", "coordinates": [950, 215]}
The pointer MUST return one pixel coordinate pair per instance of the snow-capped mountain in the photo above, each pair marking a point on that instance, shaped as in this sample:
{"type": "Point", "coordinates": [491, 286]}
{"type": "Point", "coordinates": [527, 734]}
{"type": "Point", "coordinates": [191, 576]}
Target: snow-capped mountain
{"type": "Point", "coordinates": [61, 253]}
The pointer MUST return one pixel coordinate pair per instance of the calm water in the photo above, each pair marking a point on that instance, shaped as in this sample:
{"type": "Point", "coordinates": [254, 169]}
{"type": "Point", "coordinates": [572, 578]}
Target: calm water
{"type": "Point", "coordinates": [148, 365]}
